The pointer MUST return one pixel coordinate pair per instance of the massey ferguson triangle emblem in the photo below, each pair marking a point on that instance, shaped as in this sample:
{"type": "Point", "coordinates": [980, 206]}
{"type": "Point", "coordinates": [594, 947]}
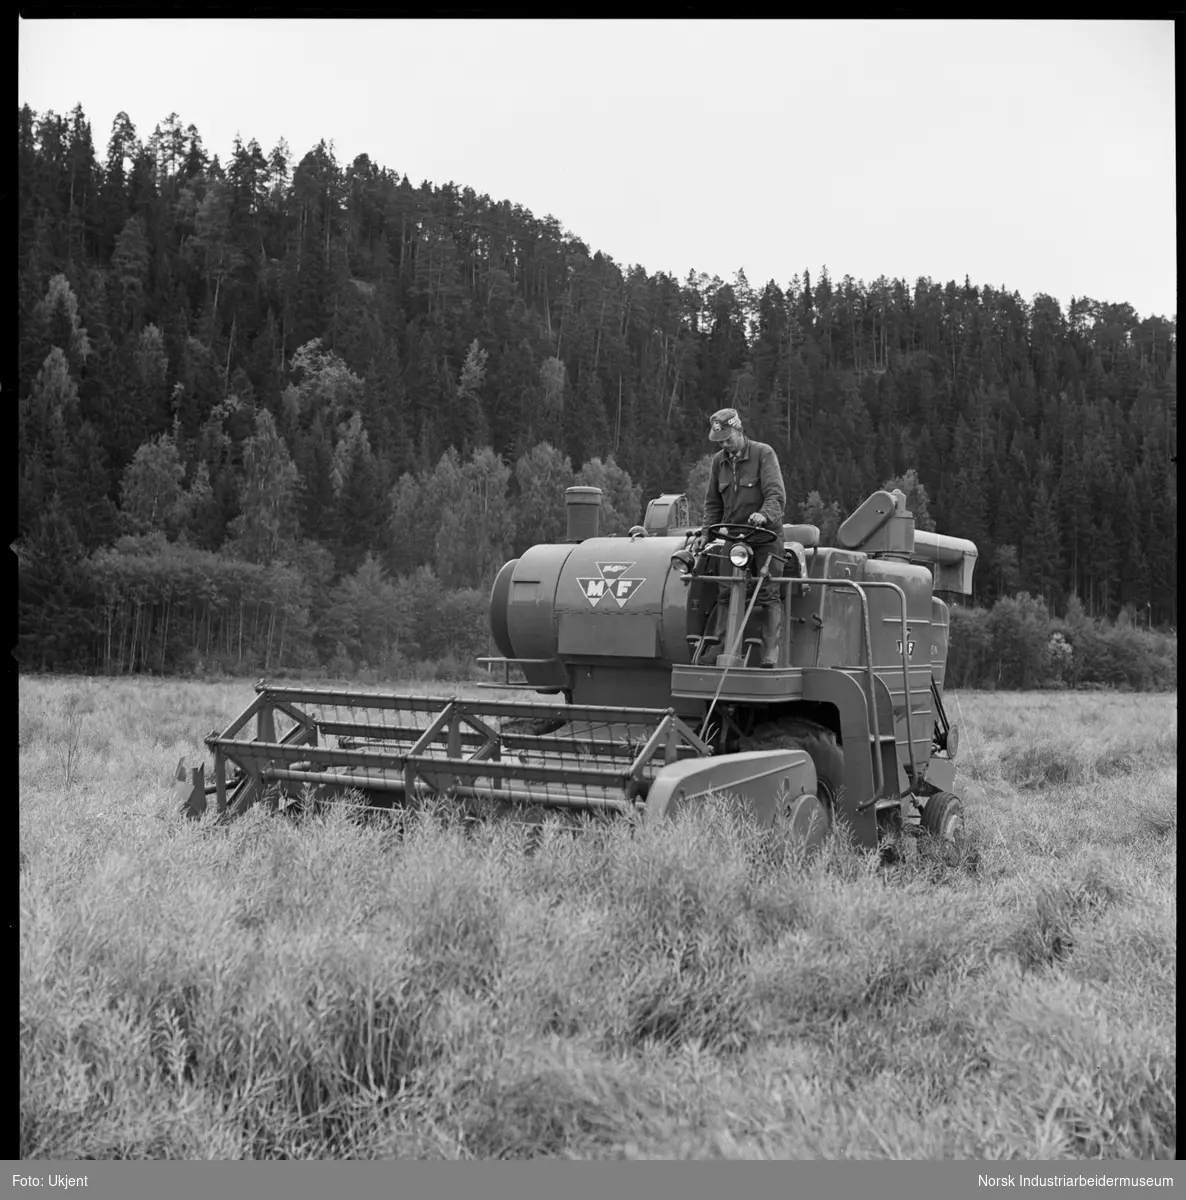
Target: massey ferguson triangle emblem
{"type": "Point", "coordinates": [611, 582]}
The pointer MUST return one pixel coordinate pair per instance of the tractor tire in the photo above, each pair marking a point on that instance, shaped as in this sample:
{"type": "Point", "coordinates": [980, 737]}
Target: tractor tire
{"type": "Point", "coordinates": [943, 820]}
{"type": "Point", "coordinates": [822, 746]}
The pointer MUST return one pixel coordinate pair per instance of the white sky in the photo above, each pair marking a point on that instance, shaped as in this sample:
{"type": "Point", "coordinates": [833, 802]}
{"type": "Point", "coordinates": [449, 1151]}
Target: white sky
{"type": "Point", "coordinates": [1038, 156]}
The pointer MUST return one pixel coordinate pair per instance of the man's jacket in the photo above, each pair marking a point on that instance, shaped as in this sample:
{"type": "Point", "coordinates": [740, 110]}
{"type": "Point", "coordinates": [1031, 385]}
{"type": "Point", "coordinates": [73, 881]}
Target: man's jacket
{"type": "Point", "coordinates": [755, 486]}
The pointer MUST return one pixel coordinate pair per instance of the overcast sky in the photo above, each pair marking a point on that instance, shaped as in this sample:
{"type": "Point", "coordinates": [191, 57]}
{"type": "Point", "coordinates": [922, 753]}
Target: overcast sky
{"type": "Point", "coordinates": [1038, 156]}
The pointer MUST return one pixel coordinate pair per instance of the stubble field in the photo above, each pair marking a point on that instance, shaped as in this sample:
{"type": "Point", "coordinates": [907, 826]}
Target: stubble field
{"type": "Point", "coordinates": [325, 989]}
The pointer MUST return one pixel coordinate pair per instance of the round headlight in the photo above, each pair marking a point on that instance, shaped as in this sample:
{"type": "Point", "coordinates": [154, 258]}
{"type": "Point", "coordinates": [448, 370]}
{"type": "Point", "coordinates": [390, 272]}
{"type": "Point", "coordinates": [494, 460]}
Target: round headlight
{"type": "Point", "coordinates": [740, 554]}
{"type": "Point", "coordinates": [681, 562]}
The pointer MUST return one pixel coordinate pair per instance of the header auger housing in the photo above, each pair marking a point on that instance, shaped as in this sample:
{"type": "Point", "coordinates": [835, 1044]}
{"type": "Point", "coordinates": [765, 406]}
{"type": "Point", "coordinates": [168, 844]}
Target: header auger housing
{"type": "Point", "coordinates": [848, 726]}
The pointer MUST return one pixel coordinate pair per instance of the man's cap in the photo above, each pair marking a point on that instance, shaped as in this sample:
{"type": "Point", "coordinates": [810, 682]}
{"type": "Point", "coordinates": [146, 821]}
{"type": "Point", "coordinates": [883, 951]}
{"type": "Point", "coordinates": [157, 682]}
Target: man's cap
{"type": "Point", "coordinates": [722, 423]}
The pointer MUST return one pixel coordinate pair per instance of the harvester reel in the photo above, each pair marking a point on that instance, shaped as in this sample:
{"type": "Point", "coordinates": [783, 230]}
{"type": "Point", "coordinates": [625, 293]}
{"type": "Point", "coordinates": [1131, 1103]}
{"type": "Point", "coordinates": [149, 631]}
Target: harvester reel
{"type": "Point", "coordinates": [535, 726]}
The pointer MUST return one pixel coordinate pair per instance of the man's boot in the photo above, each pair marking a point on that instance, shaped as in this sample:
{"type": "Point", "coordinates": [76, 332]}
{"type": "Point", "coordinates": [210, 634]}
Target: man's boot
{"type": "Point", "coordinates": [718, 622]}
{"type": "Point", "coordinates": [771, 634]}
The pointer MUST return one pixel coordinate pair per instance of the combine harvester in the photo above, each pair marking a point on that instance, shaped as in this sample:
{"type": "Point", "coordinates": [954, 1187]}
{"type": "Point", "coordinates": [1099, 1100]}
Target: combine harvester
{"type": "Point", "coordinates": [648, 715]}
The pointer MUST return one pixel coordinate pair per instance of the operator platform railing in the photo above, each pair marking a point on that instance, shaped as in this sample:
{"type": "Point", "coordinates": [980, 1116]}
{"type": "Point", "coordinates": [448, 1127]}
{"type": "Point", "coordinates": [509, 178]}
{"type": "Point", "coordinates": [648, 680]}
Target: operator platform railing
{"type": "Point", "coordinates": [737, 585]}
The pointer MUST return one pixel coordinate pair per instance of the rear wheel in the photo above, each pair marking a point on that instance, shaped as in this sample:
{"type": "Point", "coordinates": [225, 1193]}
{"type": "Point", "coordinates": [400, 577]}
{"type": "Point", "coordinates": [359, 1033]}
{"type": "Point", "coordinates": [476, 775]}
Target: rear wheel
{"type": "Point", "coordinates": [943, 819]}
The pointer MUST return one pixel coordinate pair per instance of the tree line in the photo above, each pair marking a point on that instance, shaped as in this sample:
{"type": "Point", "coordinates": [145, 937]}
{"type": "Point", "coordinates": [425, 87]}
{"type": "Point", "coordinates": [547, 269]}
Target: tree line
{"type": "Point", "coordinates": [310, 370]}
{"type": "Point", "coordinates": [1019, 644]}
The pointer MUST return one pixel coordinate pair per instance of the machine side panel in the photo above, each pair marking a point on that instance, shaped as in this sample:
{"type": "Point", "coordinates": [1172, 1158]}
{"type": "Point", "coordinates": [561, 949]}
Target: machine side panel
{"type": "Point", "coordinates": [621, 620]}
{"type": "Point", "coordinates": [885, 613]}
{"type": "Point", "coordinates": [678, 619]}
{"type": "Point", "coordinates": [618, 597]}
{"type": "Point", "coordinates": [826, 622]}
{"type": "Point", "coordinates": [843, 692]}
{"type": "Point", "coordinates": [610, 635]}
{"type": "Point", "coordinates": [531, 605]}
{"type": "Point", "coordinates": [636, 682]}
{"type": "Point", "coordinates": [940, 639]}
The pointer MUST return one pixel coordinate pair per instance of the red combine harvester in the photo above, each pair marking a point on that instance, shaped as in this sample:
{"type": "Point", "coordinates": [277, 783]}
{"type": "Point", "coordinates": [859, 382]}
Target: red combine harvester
{"type": "Point", "coordinates": [646, 714]}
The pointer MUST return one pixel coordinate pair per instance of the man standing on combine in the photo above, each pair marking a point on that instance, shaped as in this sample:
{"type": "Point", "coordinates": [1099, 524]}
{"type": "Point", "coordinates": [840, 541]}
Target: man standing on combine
{"type": "Point", "coordinates": [745, 487]}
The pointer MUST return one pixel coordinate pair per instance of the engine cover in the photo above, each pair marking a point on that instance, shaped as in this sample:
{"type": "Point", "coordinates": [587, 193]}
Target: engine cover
{"type": "Point", "coordinates": [604, 598]}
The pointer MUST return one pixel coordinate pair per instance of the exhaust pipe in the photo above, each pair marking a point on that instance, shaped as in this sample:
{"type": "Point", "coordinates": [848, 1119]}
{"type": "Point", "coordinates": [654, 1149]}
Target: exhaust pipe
{"type": "Point", "coordinates": [583, 506]}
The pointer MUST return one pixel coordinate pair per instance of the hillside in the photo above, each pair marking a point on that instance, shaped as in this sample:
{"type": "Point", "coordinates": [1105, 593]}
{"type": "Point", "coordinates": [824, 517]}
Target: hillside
{"type": "Point", "coordinates": [321, 367]}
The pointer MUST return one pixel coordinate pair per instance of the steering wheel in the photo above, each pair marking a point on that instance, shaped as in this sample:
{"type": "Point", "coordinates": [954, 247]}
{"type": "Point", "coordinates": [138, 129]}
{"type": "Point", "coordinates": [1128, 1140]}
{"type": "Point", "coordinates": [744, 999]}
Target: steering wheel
{"type": "Point", "coordinates": [736, 531]}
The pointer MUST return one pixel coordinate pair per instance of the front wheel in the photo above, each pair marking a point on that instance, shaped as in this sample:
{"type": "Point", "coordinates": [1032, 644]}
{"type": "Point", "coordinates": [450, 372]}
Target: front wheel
{"type": "Point", "coordinates": [822, 747]}
{"type": "Point", "coordinates": [806, 822]}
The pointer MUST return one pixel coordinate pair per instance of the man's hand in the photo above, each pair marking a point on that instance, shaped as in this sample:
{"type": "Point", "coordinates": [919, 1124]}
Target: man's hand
{"type": "Point", "coordinates": [757, 519]}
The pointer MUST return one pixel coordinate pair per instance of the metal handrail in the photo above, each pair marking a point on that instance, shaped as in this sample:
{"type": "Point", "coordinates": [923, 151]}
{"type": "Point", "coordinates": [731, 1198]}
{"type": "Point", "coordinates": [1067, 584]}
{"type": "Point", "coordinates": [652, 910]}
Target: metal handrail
{"type": "Point", "coordinates": [905, 668]}
{"type": "Point", "coordinates": [904, 619]}
{"type": "Point", "coordinates": [781, 580]}
{"type": "Point", "coordinates": [879, 770]}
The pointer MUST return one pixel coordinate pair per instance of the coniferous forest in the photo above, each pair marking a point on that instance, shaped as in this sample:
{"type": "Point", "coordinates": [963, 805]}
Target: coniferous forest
{"type": "Point", "coordinates": [284, 412]}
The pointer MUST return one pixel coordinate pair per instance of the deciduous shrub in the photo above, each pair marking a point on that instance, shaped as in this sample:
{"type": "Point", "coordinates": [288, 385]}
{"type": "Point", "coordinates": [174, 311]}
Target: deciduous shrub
{"type": "Point", "coordinates": [1018, 644]}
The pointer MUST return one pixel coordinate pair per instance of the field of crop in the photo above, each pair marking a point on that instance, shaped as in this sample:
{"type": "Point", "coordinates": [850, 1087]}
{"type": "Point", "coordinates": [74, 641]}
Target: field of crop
{"type": "Point", "coordinates": [326, 989]}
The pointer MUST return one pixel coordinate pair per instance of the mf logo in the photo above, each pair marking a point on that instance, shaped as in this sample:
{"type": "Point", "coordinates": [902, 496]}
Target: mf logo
{"type": "Point", "coordinates": [909, 648]}
{"type": "Point", "coordinates": [611, 581]}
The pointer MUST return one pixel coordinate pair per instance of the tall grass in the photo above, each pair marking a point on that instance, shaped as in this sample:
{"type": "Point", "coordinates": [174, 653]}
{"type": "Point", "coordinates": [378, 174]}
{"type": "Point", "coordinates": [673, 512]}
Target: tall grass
{"type": "Point", "coordinates": [336, 988]}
